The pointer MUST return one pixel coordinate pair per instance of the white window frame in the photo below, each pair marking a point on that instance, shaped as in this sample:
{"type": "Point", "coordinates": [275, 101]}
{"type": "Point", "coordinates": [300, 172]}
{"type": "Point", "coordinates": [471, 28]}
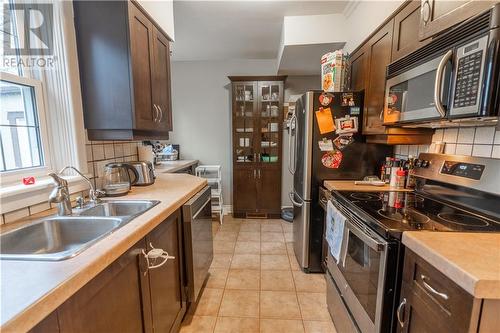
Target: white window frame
{"type": "Point", "coordinates": [14, 176]}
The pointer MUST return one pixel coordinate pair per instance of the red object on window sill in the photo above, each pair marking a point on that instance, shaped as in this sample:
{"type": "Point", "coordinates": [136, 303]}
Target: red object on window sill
{"type": "Point", "coordinates": [29, 180]}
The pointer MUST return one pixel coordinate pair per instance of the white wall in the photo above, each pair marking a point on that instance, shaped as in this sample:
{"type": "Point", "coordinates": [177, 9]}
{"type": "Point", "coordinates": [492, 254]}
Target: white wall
{"type": "Point", "coordinates": [201, 101]}
{"type": "Point", "coordinates": [313, 29]}
{"type": "Point", "coordinates": [363, 17]}
{"type": "Point", "coordinates": [162, 11]}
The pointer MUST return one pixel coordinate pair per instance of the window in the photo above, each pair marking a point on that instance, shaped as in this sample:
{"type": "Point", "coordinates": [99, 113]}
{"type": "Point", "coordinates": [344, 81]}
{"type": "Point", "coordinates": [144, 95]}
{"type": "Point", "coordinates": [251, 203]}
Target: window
{"type": "Point", "coordinates": [21, 120]}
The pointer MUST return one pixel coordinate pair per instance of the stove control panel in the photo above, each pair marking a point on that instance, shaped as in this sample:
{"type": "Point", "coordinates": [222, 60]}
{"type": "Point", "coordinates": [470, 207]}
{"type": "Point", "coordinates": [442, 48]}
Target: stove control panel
{"type": "Point", "coordinates": [461, 169]}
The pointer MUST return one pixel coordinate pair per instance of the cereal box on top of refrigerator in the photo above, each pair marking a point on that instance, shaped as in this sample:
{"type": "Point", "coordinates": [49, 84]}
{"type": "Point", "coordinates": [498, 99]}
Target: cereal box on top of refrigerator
{"type": "Point", "coordinates": [332, 68]}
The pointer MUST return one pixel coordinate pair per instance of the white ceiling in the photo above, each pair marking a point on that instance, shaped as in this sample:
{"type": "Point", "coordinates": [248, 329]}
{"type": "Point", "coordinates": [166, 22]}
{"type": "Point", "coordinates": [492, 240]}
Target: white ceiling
{"type": "Point", "coordinates": [219, 30]}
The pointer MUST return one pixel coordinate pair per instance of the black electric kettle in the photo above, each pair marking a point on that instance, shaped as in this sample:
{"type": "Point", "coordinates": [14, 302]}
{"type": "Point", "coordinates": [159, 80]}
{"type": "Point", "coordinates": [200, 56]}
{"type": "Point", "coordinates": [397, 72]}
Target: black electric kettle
{"type": "Point", "coordinates": [118, 178]}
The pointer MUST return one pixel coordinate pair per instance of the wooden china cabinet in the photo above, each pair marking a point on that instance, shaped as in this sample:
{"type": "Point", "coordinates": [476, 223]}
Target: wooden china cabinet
{"type": "Point", "coordinates": [257, 114]}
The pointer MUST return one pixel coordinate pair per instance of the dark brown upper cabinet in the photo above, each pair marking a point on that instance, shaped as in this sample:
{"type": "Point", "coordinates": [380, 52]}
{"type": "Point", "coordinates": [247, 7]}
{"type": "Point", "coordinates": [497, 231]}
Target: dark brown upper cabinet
{"type": "Point", "coordinates": [124, 60]}
{"type": "Point", "coordinates": [379, 56]}
{"type": "Point", "coordinates": [437, 16]}
{"type": "Point", "coordinates": [406, 30]}
{"type": "Point", "coordinates": [368, 71]}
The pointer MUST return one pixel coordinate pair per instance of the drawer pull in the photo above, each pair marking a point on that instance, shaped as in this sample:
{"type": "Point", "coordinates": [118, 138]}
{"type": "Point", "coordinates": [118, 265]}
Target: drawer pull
{"type": "Point", "coordinates": [431, 289]}
{"type": "Point", "coordinates": [398, 312]}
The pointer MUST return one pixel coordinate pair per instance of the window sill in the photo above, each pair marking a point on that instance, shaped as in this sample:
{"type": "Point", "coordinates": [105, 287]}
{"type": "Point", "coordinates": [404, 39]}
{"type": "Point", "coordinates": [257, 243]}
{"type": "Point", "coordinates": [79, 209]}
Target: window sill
{"type": "Point", "coordinates": [20, 196]}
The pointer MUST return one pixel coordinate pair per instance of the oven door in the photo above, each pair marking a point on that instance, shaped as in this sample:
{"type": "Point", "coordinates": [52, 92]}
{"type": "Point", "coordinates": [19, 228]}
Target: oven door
{"type": "Point", "coordinates": [420, 93]}
{"type": "Point", "coordinates": [360, 274]}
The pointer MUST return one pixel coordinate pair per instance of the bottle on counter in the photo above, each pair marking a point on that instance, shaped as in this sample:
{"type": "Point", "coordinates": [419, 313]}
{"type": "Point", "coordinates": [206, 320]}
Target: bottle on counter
{"type": "Point", "coordinates": [400, 178]}
{"type": "Point", "coordinates": [387, 169]}
{"type": "Point", "coordinates": [410, 168]}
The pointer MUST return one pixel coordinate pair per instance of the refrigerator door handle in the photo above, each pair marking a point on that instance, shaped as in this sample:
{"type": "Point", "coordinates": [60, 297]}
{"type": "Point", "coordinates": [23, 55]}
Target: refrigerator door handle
{"type": "Point", "coordinates": [292, 199]}
{"type": "Point", "coordinates": [290, 168]}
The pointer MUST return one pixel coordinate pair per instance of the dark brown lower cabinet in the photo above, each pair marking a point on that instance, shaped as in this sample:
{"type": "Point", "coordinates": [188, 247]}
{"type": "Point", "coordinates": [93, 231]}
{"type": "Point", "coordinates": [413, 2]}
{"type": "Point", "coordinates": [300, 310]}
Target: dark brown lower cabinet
{"type": "Point", "coordinates": [166, 282]}
{"type": "Point", "coordinates": [431, 302]}
{"type": "Point", "coordinates": [257, 192]}
{"type": "Point", "coordinates": [129, 296]}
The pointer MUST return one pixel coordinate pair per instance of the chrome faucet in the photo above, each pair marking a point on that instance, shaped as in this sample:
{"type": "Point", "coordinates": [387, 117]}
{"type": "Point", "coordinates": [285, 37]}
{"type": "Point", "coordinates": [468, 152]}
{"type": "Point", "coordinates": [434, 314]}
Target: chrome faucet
{"type": "Point", "coordinates": [60, 194]}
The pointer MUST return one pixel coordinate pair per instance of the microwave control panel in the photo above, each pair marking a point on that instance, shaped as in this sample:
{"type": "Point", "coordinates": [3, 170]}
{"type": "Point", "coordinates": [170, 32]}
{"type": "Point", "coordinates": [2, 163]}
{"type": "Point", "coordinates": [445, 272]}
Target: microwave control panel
{"type": "Point", "coordinates": [468, 73]}
{"type": "Point", "coordinates": [467, 83]}
{"type": "Point", "coordinates": [460, 169]}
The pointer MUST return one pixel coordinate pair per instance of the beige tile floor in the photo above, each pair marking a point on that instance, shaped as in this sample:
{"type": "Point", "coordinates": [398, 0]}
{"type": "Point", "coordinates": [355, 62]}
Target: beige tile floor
{"type": "Point", "coordinates": [255, 284]}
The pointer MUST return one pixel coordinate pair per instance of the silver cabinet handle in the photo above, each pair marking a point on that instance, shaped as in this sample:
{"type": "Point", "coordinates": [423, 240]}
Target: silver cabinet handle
{"type": "Point", "coordinates": [153, 255]}
{"type": "Point", "coordinates": [438, 83]}
{"type": "Point", "coordinates": [398, 312]}
{"type": "Point", "coordinates": [161, 114]}
{"type": "Point", "coordinates": [431, 289]}
{"type": "Point", "coordinates": [254, 173]}
{"type": "Point", "coordinates": [259, 173]}
{"type": "Point", "coordinates": [426, 12]}
{"type": "Point", "coordinates": [155, 116]}
{"type": "Point", "coordinates": [381, 115]}
{"type": "Point", "coordinates": [295, 203]}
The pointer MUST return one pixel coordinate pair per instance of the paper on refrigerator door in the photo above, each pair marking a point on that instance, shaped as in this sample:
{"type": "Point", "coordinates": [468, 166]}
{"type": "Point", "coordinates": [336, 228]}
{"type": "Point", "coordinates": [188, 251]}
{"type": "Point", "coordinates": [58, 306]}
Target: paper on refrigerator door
{"type": "Point", "coordinates": [334, 230]}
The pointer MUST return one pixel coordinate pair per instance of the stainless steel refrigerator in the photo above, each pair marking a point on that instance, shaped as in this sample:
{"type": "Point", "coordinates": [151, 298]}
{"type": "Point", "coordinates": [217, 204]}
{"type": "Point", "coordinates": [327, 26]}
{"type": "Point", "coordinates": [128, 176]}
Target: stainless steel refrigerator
{"type": "Point", "coordinates": [340, 154]}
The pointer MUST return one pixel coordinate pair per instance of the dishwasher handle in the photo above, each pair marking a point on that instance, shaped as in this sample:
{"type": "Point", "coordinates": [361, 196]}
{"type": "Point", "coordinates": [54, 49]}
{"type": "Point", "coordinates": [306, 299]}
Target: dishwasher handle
{"type": "Point", "coordinates": [195, 205]}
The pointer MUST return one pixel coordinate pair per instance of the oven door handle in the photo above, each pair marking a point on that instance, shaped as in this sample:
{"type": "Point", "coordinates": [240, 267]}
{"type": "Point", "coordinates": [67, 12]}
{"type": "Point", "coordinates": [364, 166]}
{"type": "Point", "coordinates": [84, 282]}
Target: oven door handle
{"type": "Point", "coordinates": [376, 245]}
{"type": "Point", "coordinates": [439, 82]}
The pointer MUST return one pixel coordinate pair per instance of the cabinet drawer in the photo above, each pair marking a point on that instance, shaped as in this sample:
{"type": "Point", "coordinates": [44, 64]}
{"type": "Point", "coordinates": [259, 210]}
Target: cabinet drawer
{"type": "Point", "coordinates": [440, 295]}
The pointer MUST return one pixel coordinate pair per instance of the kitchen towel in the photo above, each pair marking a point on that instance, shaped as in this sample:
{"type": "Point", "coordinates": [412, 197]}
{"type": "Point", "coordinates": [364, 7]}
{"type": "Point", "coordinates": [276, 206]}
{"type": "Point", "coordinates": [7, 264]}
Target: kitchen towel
{"type": "Point", "coordinates": [334, 230]}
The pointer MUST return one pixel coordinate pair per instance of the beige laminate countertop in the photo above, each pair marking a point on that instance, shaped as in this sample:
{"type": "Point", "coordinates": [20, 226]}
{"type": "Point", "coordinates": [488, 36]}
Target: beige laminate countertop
{"type": "Point", "coordinates": [174, 166]}
{"type": "Point", "coordinates": [348, 185]}
{"type": "Point", "coordinates": [30, 290]}
{"type": "Point", "coordinates": [471, 260]}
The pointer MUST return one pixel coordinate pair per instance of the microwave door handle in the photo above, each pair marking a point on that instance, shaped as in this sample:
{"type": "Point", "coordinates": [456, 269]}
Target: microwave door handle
{"type": "Point", "coordinates": [439, 82]}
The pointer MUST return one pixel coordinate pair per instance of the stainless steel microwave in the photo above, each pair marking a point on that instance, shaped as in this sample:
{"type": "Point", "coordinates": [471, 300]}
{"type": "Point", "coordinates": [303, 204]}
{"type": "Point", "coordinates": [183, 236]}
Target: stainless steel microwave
{"type": "Point", "coordinates": [453, 78]}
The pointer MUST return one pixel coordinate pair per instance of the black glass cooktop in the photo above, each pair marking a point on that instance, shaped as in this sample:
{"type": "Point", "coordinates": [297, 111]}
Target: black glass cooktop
{"type": "Point", "coordinates": [396, 212]}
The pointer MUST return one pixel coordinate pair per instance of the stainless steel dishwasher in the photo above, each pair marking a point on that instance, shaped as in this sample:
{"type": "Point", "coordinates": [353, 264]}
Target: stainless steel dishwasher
{"type": "Point", "coordinates": [198, 243]}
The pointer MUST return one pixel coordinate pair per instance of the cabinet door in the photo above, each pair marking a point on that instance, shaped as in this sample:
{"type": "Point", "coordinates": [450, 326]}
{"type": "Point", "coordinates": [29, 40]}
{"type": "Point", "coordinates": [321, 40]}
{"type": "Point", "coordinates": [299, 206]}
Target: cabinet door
{"type": "Point", "coordinates": [269, 190]}
{"type": "Point", "coordinates": [269, 122]}
{"type": "Point", "coordinates": [439, 15]}
{"type": "Point", "coordinates": [168, 303]}
{"type": "Point", "coordinates": [431, 302]}
{"type": "Point", "coordinates": [116, 300]}
{"type": "Point", "coordinates": [406, 27]}
{"type": "Point", "coordinates": [245, 131]}
{"type": "Point", "coordinates": [359, 68]}
{"type": "Point", "coordinates": [141, 51]}
{"type": "Point", "coordinates": [245, 190]}
{"type": "Point", "coordinates": [161, 72]}
{"type": "Point", "coordinates": [379, 56]}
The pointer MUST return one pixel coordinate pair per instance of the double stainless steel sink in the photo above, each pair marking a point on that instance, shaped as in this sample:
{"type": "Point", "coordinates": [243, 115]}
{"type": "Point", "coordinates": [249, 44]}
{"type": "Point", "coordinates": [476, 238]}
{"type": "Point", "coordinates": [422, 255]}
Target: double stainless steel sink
{"type": "Point", "coordinates": [62, 237]}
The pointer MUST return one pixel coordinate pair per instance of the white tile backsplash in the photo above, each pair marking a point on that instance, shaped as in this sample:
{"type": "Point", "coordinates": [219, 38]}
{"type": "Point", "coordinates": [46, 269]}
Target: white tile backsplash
{"type": "Point", "coordinates": [466, 135]}
{"type": "Point", "coordinates": [16, 215]}
{"type": "Point", "coordinates": [484, 135]}
{"type": "Point", "coordinates": [496, 151]}
{"type": "Point", "coordinates": [98, 152]}
{"type": "Point", "coordinates": [438, 135]}
{"type": "Point", "coordinates": [450, 148]}
{"type": "Point", "coordinates": [470, 141]}
{"type": "Point", "coordinates": [450, 135]}
{"type": "Point", "coordinates": [109, 151]}
{"type": "Point", "coordinates": [482, 150]}
{"type": "Point", "coordinates": [463, 149]}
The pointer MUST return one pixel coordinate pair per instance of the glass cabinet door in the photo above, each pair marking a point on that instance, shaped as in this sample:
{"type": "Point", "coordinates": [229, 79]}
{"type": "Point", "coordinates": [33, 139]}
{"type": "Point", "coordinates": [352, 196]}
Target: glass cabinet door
{"type": "Point", "coordinates": [244, 122]}
{"type": "Point", "coordinates": [269, 123]}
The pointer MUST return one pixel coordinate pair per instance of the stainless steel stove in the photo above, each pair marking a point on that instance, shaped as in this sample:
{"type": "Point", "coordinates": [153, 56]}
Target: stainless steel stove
{"type": "Point", "coordinates": [453, 194]}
